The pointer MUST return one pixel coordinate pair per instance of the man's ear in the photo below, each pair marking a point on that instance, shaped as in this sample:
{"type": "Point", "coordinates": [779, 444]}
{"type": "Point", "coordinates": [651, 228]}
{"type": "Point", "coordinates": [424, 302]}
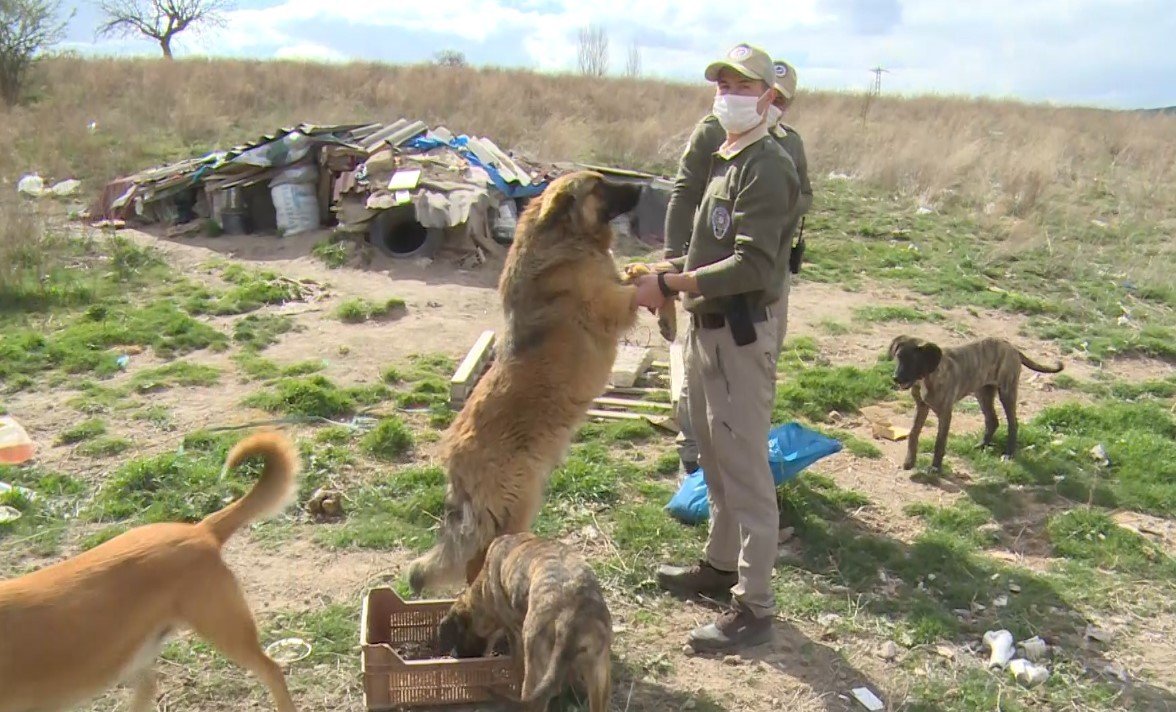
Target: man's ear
{"type": "Point", "coordinates": [929, 357]}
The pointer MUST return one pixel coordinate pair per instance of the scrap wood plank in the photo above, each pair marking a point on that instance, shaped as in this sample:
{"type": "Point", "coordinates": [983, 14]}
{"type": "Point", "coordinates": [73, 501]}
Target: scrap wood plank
{"type": "Point", "coordinates": [630, 363]}
{"type": "Point", "coordinates": [633, 391]}
{"type": "Point", "coordinates": [486, 156]}
{"type": "Point", "coordinates": [506, 161]}
{"type": "Point", "coordinates": [614, 415]}
{"type": "Point", "coordinates": [677, 371]}
{"type": "Point", "coordinates": [631, 403]}
{"type": "Point", "coordinates": [471, 368]}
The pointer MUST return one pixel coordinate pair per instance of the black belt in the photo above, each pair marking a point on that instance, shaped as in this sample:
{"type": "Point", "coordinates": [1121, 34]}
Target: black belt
{"type": "Point", "coordinates": [718, 321]}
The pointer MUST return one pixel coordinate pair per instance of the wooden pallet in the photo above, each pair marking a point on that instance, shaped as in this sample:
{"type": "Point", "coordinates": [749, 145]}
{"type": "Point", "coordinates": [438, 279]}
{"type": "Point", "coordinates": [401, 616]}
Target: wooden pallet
{"type": "Point", "coordinates": [631, 386]}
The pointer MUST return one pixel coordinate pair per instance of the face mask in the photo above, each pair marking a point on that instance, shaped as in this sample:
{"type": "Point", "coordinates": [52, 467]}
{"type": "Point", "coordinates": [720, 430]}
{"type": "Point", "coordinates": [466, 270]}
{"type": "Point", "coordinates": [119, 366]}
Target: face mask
{"type": "Point", "coordinates": [774, 115]}
{"type": "Point", "coordinates": [737, 114]}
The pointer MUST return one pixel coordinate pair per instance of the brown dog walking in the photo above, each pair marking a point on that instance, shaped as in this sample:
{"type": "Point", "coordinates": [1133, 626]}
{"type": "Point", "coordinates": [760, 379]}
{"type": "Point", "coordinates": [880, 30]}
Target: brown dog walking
{"type": "Point", "coordinates": [940, 378]}
{"type": "Point", "coordinates": [546, 599]}
{"type": "Point", "coordinates": [71, 630]}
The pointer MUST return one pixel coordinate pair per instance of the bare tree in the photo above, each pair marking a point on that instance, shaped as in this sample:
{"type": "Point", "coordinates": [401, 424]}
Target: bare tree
{"type": "Point", "coordinates": [633, 64]}
{"type": "Point", "coordinates": [27, 28]}
{"type": "Point", "coordinates": [450, 58]}
{"type": "Point", "coordinates": [593, 51]}
{"type": "Point", "coordinates": [160, 20]}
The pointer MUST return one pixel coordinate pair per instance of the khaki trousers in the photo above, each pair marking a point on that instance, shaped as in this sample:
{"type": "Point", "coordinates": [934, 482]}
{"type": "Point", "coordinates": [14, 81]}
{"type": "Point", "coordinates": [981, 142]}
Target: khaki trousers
{"type": "Point", "coordinates": [731, 391]}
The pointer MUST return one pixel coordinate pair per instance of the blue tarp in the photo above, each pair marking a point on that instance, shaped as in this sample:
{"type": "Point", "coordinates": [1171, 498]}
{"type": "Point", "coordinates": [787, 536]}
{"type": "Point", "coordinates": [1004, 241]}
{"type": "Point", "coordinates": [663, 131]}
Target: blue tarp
{"type": "Point", "coordinates": [791, 448]}
{"type": "Point", "coordinates": [459, 144]}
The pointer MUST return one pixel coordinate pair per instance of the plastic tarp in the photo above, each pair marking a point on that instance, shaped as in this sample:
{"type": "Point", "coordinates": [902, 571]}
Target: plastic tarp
{"type": "Point", "coordinates": [460, 144]}
{"type": "Point", "coordinates": [791, 448]}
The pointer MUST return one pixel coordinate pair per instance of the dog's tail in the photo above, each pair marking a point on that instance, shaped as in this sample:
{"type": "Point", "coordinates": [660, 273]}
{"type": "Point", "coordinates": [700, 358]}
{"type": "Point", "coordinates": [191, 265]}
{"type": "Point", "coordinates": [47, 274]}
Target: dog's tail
{"type": "Point", "coordinates": [1025, 360]}
{"type": "Point", "coordinates": [271, 491]}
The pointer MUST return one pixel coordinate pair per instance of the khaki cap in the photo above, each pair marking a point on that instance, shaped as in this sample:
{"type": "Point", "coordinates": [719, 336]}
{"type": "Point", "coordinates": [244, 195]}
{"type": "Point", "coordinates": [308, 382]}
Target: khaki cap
{"type": "Point", "coordinates": [751, 62]}
{"type": "Point", "coordinates": [785, 79]}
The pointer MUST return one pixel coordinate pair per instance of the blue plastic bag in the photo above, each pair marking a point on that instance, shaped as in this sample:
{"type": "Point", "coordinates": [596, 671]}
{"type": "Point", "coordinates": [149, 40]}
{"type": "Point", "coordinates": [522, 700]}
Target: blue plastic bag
{"type": "Point", "coordinates": [791, 448]}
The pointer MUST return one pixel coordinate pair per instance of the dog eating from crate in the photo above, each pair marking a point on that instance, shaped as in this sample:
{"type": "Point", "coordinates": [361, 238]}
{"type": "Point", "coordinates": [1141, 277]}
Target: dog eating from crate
{"type": "Point", "coordinates": [547, 602]}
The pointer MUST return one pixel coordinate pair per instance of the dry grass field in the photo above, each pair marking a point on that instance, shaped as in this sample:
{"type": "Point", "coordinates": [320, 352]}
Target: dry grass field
{"type": "Point", "coordinates": [945, 218]}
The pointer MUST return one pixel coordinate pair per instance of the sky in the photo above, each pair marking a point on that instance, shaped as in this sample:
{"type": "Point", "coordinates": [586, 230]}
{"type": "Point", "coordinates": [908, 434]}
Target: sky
{"type": "Point", "coordinates": [1106, 53]}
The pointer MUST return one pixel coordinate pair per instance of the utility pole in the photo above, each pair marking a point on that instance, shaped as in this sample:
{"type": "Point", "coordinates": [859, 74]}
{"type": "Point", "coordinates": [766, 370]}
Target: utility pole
{"type": "Point", "coordinates": [878, 71]}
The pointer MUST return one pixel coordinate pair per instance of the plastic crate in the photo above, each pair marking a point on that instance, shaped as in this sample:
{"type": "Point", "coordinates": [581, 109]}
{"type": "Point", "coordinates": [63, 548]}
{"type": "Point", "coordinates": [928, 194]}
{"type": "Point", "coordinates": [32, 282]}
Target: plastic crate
{"type": "Point", "coordinates": [391, 682]}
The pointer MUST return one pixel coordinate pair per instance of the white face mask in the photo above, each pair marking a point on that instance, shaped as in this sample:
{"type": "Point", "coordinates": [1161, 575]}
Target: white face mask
{"type": "Point", "coordinates": [774, 115]}
{"type": "Point", "coordinates": [736, 113]}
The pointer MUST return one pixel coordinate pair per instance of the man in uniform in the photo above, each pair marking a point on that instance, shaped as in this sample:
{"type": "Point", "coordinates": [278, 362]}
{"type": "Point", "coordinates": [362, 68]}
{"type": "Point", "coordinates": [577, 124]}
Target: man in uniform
{"type": "Point", "coordinates": [708, 135]}
{"type": "Point", "coordinates": [733, 279]}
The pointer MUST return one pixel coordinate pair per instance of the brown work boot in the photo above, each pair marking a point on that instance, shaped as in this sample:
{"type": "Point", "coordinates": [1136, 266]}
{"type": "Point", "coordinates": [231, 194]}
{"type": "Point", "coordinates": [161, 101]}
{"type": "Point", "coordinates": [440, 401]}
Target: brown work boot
{"type": "Point", "coordinates": [700, 579]}
{"type": "Point", "coordinates": [737, 628]}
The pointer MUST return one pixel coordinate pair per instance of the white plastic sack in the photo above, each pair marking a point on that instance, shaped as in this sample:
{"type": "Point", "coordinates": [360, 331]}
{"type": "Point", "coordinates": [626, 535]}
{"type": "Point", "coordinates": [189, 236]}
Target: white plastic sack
{"type": "Point", "coordinates": [31, 185]}
{"type": "Point", "coordinates": [66, 188]}
{"type": "Point", "coordinates": [296, 206]}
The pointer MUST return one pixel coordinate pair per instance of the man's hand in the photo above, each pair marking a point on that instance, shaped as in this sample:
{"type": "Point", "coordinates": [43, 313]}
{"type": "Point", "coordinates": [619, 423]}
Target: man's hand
{"type": "Point", "coordinates": [649, 294]}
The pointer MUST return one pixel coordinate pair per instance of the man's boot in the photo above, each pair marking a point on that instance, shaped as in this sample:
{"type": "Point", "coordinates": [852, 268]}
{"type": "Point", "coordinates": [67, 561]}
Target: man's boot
{"type": "Point", "coordinates": [699, 579]}
{"type": "Point", "coordinates": [737, 628]}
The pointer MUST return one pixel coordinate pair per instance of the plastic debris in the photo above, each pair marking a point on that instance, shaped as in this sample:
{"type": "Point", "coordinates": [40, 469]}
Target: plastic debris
{"type": "Point", "coordinates": [122, 361]}
{"type": "Point", "coordinates": [1000, 642]}
{"type": "Point", "coordinates": [868, 699]}
{"type": "Point", "coordinates": [1027, 673]}
{"type": "Point", "coordinates": [15, 444]}
{"type": "Point", "coordinates": [31, 185]}
{"type": "Point", "coordinates": [66, 188]}
{"type": "Point", "coordinates": [1034, 649]}
{"type": "Point", "coordinates": [8, 514]}
{"type": "Point", "coordinates": [288, 650]}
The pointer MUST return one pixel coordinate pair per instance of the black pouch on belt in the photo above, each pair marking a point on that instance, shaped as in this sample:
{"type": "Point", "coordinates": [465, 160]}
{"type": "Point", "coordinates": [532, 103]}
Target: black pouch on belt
{"type": "Point", "coordinates": [796, 256]}
{"type": "Point", "coordinates": [739, 319]}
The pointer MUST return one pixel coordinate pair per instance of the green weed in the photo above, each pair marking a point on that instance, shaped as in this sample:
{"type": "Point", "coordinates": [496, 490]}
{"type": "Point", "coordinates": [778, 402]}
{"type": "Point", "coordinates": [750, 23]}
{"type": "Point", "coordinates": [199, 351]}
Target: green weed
{"type": "Point", "coordinates": [358, 310]}
{"type": "Point", "coordinates": [396, 510]}
{"type": "Point", "coordinates": [390, 440]}
{"type": "Point", "coordinates": [255, 332]}
{"type": "Point", "coordinates": [177, 373]}
{"type": "Point", "coordinates": [85, 430]}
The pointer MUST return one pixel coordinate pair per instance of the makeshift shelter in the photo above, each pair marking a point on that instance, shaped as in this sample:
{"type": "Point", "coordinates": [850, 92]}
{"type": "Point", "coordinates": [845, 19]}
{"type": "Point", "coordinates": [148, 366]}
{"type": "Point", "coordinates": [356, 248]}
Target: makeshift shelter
{"type": "Point", "coordinates": [404, 188]}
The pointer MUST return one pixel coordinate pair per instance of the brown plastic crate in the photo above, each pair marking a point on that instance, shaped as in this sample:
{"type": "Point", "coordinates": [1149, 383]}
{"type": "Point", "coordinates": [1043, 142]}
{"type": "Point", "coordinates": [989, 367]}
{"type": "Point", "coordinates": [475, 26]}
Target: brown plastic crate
{"type": "Point", "coordinates": [391, 682]}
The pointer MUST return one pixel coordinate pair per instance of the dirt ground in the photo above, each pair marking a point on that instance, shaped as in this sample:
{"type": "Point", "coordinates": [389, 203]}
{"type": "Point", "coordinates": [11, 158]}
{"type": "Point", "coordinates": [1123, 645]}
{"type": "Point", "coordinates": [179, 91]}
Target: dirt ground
{"type": "Point", "coordinates": [447, 308]}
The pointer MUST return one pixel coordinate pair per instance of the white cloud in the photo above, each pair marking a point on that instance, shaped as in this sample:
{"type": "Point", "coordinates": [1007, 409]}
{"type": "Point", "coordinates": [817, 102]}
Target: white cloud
{"type": "Point", "coordinates": [310, 51]}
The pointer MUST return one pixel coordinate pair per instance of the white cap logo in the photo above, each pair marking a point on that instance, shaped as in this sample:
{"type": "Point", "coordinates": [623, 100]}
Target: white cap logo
{"type": "Point", "coordinates": [781, 70]}
{"type": "Point", "coordinates": [741, 52]}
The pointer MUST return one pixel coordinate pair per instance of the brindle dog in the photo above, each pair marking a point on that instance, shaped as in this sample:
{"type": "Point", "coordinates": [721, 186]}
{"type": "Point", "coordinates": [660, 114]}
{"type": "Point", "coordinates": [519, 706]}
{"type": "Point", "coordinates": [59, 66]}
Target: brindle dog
{"type": "Point", "coordinates": [940, 378]}
{"type": "Point", "coordinates": [547, 601]}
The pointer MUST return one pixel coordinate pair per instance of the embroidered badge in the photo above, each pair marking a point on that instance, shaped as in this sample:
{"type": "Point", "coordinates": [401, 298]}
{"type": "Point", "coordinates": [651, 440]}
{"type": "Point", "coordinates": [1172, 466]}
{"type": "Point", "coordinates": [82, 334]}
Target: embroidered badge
{"type": "Point", "coordinates": [720, 221]}
{"type": "Point", "coordinates": [741, 52]}
{"type": "Point", "coordinates": [781, 70]}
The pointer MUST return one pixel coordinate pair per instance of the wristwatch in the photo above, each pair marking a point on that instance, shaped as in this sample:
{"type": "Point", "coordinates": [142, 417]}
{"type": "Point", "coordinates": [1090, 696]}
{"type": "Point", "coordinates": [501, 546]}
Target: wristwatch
{"type": "Point", "coordinates": [665, 288]}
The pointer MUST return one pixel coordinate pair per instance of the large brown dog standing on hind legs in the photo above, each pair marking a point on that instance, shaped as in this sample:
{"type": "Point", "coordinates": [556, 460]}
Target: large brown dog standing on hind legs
{"type": "Point", "coordinates": [940, 378]}
{"type": "Point", "coordinates": [72, 630]}
{"type": "Point", "coordinates": [565, 308]}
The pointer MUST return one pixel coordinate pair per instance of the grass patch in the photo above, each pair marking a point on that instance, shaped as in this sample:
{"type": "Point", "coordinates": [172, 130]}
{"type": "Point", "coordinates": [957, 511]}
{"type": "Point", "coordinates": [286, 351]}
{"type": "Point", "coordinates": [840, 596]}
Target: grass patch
{"type": "Point", "coordinates": [104, 447]}
{"type": "Point", "coordinates": [834, 328]}
{"type": "Point", "coordinates": [965, 520]}
{"type": "Point", "coordinates": [94, 398]}
{"type": "Point", "coordinates": [813, 393]}
{"type": "Point", "coordinates": [398, 509]}
{"type": "Point", "coordinates": [590, 476]}
{"type": "Point", "coordinates": [332, 254]}
{"type": "Point", "coordinates": [390, 440]}
{"type": "Point", "coordinates": [45, 514]}
{"type": "Point", "coordinates": [358, 310]}
{"type": "Point", "coordinates": [249, 290]}
{"type": "Point", "coordinates": [177, 373]}
{"type": "Point", "coordinates": [256, 368]}
{"type": "Point", "coordinates": [185, 485]}
{"type": "Point", "coordinates": [85, 430]}
{"type": "Point", "coordinates": [315, 396]}
{"type": "Point", "coordinates": [1054, 453]}
{"type": "Point", "coordinates": [853, 444]}
{"type": "Point", "coordinates": [89, 342]}
{"type": "Point", "coordinates": [255, 332]}
{"type": "Point", "coordinates": [1093, 537]}
{"type": "Point", "coordinates": [908, 315]}
{"type": "Point", "coordinates": [621, 431]}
